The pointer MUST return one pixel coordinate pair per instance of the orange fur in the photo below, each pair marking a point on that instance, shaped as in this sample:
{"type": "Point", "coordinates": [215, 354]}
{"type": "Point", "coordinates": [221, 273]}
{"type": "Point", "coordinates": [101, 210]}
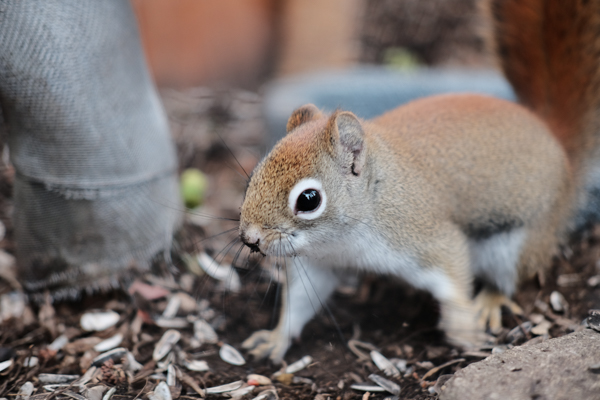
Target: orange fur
{"type": "Point", "coordinates": [549, 51]}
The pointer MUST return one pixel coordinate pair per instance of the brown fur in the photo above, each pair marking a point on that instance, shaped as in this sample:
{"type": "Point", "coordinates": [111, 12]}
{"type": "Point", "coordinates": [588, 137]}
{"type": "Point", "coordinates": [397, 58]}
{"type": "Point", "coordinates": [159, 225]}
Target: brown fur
{"type": "Point", "coordinates": [302, 115]}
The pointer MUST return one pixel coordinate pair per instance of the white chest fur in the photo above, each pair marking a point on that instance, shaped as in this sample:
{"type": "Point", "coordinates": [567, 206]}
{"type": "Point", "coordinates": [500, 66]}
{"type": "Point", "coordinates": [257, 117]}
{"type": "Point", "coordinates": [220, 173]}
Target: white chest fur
{"type": "Point", "coordinates": [364, 251]}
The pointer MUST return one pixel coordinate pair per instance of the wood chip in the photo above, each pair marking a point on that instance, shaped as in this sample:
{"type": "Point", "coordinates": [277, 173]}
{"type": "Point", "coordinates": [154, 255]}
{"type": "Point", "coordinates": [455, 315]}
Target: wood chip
{"type": "Point", "coordinates": [74, 395]}
{"type": "Point", "coordinates": [568, 280]}
{"type": "Point", "coordinates": [354, 346]}
{"type": "Point", "coordinates": [436, 369]}
{"type": "Point", "coordinates": [188, 380]}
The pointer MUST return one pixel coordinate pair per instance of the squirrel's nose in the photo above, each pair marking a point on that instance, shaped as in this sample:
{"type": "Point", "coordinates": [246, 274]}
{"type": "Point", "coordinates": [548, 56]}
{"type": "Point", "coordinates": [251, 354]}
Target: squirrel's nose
{"type": "Point", "coordinates": [251, 238]}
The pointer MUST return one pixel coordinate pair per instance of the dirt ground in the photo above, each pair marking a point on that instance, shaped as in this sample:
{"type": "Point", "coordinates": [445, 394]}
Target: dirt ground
{"type": "Point", "coordinates": [210, 127]}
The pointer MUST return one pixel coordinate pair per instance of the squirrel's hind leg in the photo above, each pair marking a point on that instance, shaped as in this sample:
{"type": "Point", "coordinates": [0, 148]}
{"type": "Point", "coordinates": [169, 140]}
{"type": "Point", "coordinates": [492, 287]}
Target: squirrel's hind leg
{"type": "Point", "coordinates": [495, 261]}
{"type": "Point", "coordinates": [489, 304]}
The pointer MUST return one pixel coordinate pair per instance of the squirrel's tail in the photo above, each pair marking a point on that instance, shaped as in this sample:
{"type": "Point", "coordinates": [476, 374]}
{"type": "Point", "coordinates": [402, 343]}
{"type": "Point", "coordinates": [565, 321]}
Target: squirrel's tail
{"type": "Point", "coordinates": [550, 52]}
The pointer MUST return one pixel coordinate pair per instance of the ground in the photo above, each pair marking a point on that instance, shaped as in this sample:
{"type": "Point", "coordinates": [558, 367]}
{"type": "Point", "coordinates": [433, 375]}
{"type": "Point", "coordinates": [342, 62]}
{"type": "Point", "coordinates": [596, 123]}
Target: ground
{"type": "Point", "coordinates": [210, 127]}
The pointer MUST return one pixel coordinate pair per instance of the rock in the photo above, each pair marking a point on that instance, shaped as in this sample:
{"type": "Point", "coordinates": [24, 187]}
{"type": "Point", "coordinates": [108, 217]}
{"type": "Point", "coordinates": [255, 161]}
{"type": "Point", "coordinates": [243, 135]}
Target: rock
{"type": "Point", "coordinates": [555, 369]}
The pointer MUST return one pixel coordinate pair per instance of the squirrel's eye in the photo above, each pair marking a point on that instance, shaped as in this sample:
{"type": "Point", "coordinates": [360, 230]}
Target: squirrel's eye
{"type": "Point", "coordinates": [309, 200]}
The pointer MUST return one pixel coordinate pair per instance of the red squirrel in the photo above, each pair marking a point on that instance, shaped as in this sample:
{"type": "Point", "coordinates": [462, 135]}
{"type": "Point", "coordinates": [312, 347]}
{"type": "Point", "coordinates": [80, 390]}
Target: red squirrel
{"type": "Point", "coordinates": [444, 190]}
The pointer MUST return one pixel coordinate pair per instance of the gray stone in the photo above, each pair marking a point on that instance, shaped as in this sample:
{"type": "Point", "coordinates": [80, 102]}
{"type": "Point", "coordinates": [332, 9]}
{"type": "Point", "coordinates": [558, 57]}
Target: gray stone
{"type": "Point", "coordinates": [555, 369]}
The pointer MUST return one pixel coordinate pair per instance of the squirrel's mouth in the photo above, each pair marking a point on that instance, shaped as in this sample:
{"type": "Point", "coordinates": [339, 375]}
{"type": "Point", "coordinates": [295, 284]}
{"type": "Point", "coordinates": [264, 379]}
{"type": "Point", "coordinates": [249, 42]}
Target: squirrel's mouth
{"type": "Point", "coordinates": [253, 246]}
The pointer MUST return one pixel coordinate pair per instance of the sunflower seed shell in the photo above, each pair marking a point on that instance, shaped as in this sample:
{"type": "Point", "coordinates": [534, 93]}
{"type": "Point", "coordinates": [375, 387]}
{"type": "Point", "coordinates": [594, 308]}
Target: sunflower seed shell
{"type": "Point", "coordinates": [388, 385]}
{"type": "Point", "coordinates": [367, 387]}
{"type": "Point", "coordinates": [196, 365]}
{"type": "Point", "coordinates": [161, 392]}
{"type": "Point", "coordinates": [231, 355]}
{"type": "Point", "coordinates": [384, 364]}
{"type": "Point", "coordinates": [98, 321]}
{"type": "Point", "coordinates": [204, 332]}
{"type": "Point", "coordinates": [229, 387]}
{"type": "Point", "coordinates": [165, 344]}
{"type": "Point", "coordinates": [109, 343]}
{"type": "Point", "coordinates": [298, 365]}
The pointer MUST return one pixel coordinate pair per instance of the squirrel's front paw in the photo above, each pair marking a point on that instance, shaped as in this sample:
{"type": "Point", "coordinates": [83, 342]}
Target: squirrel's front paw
{"type": "Point", "coordinates": [263, 344]}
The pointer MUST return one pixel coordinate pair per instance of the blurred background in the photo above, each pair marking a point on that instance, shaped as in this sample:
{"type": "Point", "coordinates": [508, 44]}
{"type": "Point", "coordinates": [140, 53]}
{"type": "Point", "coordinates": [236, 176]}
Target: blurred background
{"type": "Point", "coordinates": [246, 43]}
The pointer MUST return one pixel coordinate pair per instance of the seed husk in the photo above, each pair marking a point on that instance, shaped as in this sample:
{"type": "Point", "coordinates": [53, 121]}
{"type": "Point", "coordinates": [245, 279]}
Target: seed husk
{"type": "Point", "coordinates": [384, 364]}
{"type": "Point", "coordinates": [25, 391]}
{"type": "Point", "coordinates": [99, 321]}
{"type": "Point", "coordinates": [196, 365]}
{"type": "Point", "coordinates": [109, 343]}
{"type": "Point", "coordinates": [367, 387]}
{"type": "Point", "coordinates": [388, 385]}
{"type": "Point", "coordinates": [204, 332]}
{"type": "Point", "coordinates": [5, 365]}
{"type": "Point", "coordinates": [161, 392]}
{"type": "Point", "coordinates": [258, 380]}
{"type": "Point", "coordinates": [558, 302]}
{"type": "Point", "coordinates": [108, 395]}
{"type": "Point", "coordinates": [172, 323]}
{"type": "Point", "coordinates": [58, 343]}
{"type": "Point", "coordinates": [172, 307]}
{"type": "Point", "coordinates": [56, 378]}
{"type": "Point", "coordinates": [298, 365]}
{"type": "Point", "coordinates": [231, 355]}
{"type": "Point", "coordinates": [223, 273]}
{"type": "Point", "coordinates": [165, 344]}
{"type": "Point", "coordinates": [114, 354]}
{"type": "Point", "coordinates": [229, 387]}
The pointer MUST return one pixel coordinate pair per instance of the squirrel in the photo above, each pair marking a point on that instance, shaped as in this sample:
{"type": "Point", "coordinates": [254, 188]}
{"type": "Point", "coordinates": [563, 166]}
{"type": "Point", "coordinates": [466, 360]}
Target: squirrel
{"type": "Point", "coordinates": [443, 191]}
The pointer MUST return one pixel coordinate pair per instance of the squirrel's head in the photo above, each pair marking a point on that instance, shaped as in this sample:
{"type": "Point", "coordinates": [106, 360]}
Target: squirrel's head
{"type": "Point", "coordinates": [297, 195]}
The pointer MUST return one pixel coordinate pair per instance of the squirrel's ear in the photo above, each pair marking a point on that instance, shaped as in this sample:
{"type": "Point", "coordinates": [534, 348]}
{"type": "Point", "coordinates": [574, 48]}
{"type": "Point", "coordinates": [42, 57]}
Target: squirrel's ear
{"type": "Point", "coordinates": [348, 132]}
{"type": "Point", "coordinates": [308, 112]}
